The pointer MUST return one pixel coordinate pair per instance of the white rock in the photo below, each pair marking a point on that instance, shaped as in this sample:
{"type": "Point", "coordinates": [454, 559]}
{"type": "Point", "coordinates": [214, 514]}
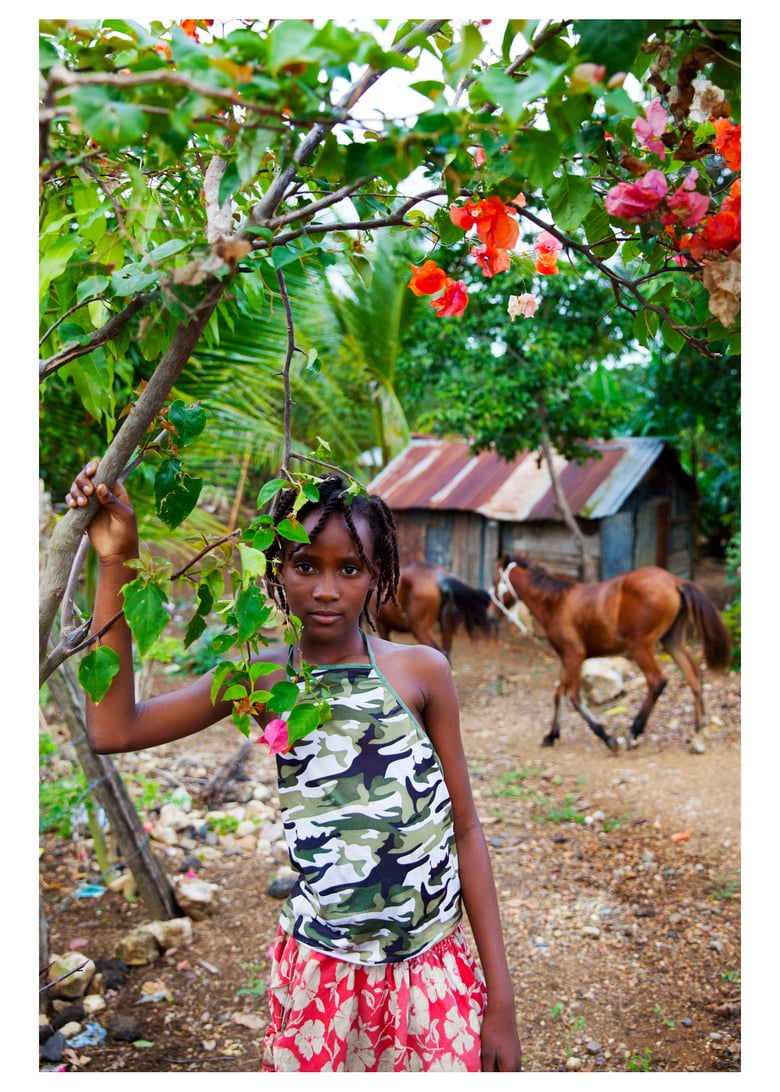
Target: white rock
{"type": "Point", "coordinates": [78, 976]}
{"type": "Point", "coordinates": [173, 933]}
{"type": "Point", "coordinates": [166, 835]}
{"type": "Point", "coordinates": [197, 898]}
{"type": "Point", "coordinates": [173, 816]}
{"type": "Point", "coordinates": [93, 1003]}
{"type": "Point", "coordinates": [601, 680]}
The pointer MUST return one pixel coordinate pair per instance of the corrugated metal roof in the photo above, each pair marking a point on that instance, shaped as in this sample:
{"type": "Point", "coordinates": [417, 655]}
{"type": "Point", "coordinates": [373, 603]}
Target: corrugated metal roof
{"type": "Point", "coordinates": [440, 474]}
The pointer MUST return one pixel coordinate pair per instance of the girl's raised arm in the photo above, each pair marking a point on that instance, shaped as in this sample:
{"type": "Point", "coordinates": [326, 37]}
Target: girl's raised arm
{"type": "Point", "coordinates": [118, 722]}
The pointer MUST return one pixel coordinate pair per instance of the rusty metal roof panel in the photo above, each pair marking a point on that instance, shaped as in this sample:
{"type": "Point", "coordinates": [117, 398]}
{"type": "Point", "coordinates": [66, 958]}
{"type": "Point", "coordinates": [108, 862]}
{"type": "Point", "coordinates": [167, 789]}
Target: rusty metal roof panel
{"type": "Point", "coordinates": [431, 473]}
{"type": "Point", "coordinates": [441, 474]}
{"type": "Point", "coordinates": [619, 476]}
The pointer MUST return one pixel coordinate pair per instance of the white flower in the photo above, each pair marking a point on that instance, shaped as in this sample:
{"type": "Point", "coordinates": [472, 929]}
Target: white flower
{"type": "Point", "coordinates": [524, 305]}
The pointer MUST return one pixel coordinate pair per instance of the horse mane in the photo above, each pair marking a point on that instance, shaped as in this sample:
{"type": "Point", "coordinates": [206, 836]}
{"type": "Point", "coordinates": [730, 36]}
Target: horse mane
{"type": "Point", "coordinates": [549, 587]}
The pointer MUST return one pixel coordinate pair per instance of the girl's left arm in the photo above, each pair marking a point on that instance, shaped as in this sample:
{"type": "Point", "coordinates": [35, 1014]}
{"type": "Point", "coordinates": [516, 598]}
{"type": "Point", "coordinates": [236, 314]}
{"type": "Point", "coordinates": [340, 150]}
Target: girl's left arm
{"type": "Point", "coordinates": [500, 1040]}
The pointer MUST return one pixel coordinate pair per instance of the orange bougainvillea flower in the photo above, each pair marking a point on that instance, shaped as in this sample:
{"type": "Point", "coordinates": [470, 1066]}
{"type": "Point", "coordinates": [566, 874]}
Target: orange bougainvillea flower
{"type": "Point", "coordinates": [191, 27]}
{"type": "Point", "coordinates": [492, 259]}
{"type": "Point", "coordinates": [453, 301]}
{"type": "Point", "coordinates": [728, 142]}
{"type": "Point", "coordinates": [547, 249]}
{"type": "Point", "coordinates": [495, 221]}
{"type": "Point", "coordinates": [427, 279]}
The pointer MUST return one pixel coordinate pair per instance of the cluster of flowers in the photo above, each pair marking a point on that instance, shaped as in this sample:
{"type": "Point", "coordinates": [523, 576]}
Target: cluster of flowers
{"type": "Point", "coordinates": [498, 231]}
{"type": "Point", "coordinates": [716, 231]}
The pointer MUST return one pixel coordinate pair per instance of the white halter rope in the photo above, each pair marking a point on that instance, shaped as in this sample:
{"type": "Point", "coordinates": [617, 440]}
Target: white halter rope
{"type": "Point", "coordinates": [504, 587]}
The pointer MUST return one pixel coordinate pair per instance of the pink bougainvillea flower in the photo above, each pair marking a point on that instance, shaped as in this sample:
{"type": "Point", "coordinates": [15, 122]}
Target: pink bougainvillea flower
{"type": "Point", "coordinates": [687, 206]}
{"type": "Point", "coordinates": [547, 249]}
{"type": "Point", "coordinates": [524, 305]}
{"type": "Point", "coordinates": [728, 142]}
{"type": "Point", "coordinates": [492, 259]}
{"type": "Point", "coordinates": [652, 126]}
{"type": "Point", "coordinates": [275, 735]}
{"type": "Point", "coordinates": [633, 200]}
{"type": "Point", "coordinates": [453, 300]}
{"type": "Point", "coordinates": [427, 278]}
{"type": "Point", "coordinates": [479, 157]}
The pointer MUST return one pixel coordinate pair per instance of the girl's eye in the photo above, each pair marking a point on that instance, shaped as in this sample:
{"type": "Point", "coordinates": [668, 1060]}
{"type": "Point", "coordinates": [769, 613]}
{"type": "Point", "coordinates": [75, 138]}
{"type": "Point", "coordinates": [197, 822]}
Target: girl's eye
{"type": "Point", "coordinates": [351, 570]}
{"type": "Point", "coordinates": [304, 566]}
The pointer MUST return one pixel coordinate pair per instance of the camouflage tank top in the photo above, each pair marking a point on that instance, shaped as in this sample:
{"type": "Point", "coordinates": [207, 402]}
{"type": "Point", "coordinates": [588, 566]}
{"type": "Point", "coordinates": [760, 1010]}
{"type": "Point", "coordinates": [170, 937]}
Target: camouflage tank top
{"type": "Point", "coordinates": [368, 823]}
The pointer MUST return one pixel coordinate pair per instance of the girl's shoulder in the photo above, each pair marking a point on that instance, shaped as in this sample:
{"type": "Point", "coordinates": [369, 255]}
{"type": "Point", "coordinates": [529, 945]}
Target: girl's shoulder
{"type": "Point", "coordinates": [416, 660]}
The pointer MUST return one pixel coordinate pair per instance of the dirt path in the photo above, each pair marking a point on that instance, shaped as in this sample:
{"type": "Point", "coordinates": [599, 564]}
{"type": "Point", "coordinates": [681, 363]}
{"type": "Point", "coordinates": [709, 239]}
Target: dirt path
{"type": "Point", "coordinates": [619, 880]}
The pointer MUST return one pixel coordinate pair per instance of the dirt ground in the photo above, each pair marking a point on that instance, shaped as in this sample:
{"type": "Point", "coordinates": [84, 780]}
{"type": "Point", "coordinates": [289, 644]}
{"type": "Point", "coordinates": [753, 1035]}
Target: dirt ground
{"type": "Point", "coordinates": [618, 877]}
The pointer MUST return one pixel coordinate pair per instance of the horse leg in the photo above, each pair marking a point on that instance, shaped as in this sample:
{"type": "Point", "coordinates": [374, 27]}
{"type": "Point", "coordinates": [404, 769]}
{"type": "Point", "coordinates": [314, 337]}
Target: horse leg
{"type": "Point", "coordinates": [555, 727]}
{"type": "Point", "coordinates": [692, 673]}
{"type": "Point", "coordinates": [656, 682]}
{"type": "Point", "coordinates": [447, 627]}
{"type": "Point", "coordinates": [569, 684]}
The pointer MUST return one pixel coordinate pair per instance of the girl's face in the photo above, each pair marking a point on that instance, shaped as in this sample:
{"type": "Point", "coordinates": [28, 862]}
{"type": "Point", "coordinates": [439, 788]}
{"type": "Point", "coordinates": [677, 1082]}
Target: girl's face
{"type": "Point", "coordinates": [326, 581]}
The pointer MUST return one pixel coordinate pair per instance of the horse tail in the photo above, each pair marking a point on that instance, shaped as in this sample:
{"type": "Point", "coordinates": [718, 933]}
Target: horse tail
{"type": "Point", "coordinates": [466, 604]}
{"type": "Point", "coordinates": [709, 625]}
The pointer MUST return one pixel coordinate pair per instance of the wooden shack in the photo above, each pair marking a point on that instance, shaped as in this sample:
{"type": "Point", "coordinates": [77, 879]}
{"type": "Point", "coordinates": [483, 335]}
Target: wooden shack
{"type": "Point", "coordinates": [632, 499]}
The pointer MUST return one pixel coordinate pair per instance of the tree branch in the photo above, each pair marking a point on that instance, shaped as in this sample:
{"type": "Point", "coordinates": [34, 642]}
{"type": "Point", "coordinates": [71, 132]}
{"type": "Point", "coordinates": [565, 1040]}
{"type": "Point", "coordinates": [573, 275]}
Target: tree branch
{"type": "Point", "coordinates": [96, 339]}
{"type": "Point", "coordinates": [69, 530]}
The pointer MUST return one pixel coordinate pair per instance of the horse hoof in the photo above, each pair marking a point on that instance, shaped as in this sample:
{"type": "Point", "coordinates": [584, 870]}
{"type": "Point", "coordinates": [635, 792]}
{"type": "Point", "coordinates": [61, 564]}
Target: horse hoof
{"type": "Point", "coordinates": [633, 741]}
{"type": "Point", "coordinates": [613, 744]}
{"type": "Point", "coordinates": [547, 741]}
{"type": "Point", "coordinates": [697, 746]}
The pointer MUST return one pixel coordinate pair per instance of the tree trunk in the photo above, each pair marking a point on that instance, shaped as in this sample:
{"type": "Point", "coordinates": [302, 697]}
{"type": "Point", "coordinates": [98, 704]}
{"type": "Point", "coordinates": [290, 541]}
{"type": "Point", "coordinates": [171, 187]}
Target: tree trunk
{"type": "Point", "coordinates": [108, 788]}
{"type": "Point", "coordinates": [589, 573]}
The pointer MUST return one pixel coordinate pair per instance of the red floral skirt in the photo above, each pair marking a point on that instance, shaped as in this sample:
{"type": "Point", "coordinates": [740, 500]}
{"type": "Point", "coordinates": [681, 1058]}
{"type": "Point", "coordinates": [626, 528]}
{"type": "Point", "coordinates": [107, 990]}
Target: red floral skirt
{"type": "Point", "coordinates": [420, 1015]}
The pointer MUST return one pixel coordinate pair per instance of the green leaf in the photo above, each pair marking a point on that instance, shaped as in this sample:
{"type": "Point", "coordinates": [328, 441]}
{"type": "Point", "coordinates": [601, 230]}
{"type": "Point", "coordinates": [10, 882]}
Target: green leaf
{"type": "Point", "coordinates": [288, 41]}
{"type": "Point", "coordinates": [614, 43]}
{"type": "Point", "coordinates": [176, 492]}
{"type": "Point", "coordinates": [673, 339]}
{"type": "Point", "coordinates": [96, 671]}
{"type": "Point", "coordinates": [304, 718]}
{"type": "Point", "coordinates": [570, 198]}
{"type": "Point", "coordinates": [284, 696]}
{"type": "Point", "coordinates": [229, 182]}
{"type": "Point", "coordinates": [270, 489]}
{"type": "Point", "coordinates": [261, 667]}
{"type": "Point", "coordinates": [131, 279]}
{"type": "Point", "coordinates": [263, 539]}
{"type": "Point", "coordinates": [189, 421]}
{"type": "Point", "coordinates": [54, 260]}
{"type": "Point", "coordinates": [252, 612]}
{"type": "Point", "coordinates": [195, 626]}
{"type": "Point", "coordinates": [144, 609]}
{"type": "Point", "coordinates": [252, 563]}
{"type": "Point", "coordinates": [220, 673]}
{"type": "Point", "coordinates": [111, 122]}
{"type": "Point", "coordinates": [292, 530]}
{"type": "Point", "coordinates": [165, 250]}
{"type": "Point", "coordinates": [243, 722]}
{"type": "Point", "coordinates": [597, 227]}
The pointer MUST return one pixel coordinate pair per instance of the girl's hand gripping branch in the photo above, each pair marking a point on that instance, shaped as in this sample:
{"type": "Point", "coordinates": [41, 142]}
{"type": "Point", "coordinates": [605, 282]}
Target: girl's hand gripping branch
{"type": "Point", "coordinates": [112, 532]}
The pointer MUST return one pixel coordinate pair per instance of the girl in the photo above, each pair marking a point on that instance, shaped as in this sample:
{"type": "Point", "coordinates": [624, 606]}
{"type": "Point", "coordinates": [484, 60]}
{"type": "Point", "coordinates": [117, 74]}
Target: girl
{"type": "Point", "coordinates": [371, 969]}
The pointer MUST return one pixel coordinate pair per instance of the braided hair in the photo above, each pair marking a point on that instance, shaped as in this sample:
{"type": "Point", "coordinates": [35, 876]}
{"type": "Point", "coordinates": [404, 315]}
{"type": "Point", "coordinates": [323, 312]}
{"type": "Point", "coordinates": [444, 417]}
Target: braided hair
{"type": "Point", "coordinates": [334, 498]}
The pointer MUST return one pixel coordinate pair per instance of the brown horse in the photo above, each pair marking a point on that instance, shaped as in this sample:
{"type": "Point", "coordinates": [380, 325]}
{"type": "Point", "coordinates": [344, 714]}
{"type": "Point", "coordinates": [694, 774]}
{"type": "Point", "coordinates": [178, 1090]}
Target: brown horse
{"type": "Point", "coordinates": [625, 615]}
{"type": "Point", "coordinates": [428, 594]}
